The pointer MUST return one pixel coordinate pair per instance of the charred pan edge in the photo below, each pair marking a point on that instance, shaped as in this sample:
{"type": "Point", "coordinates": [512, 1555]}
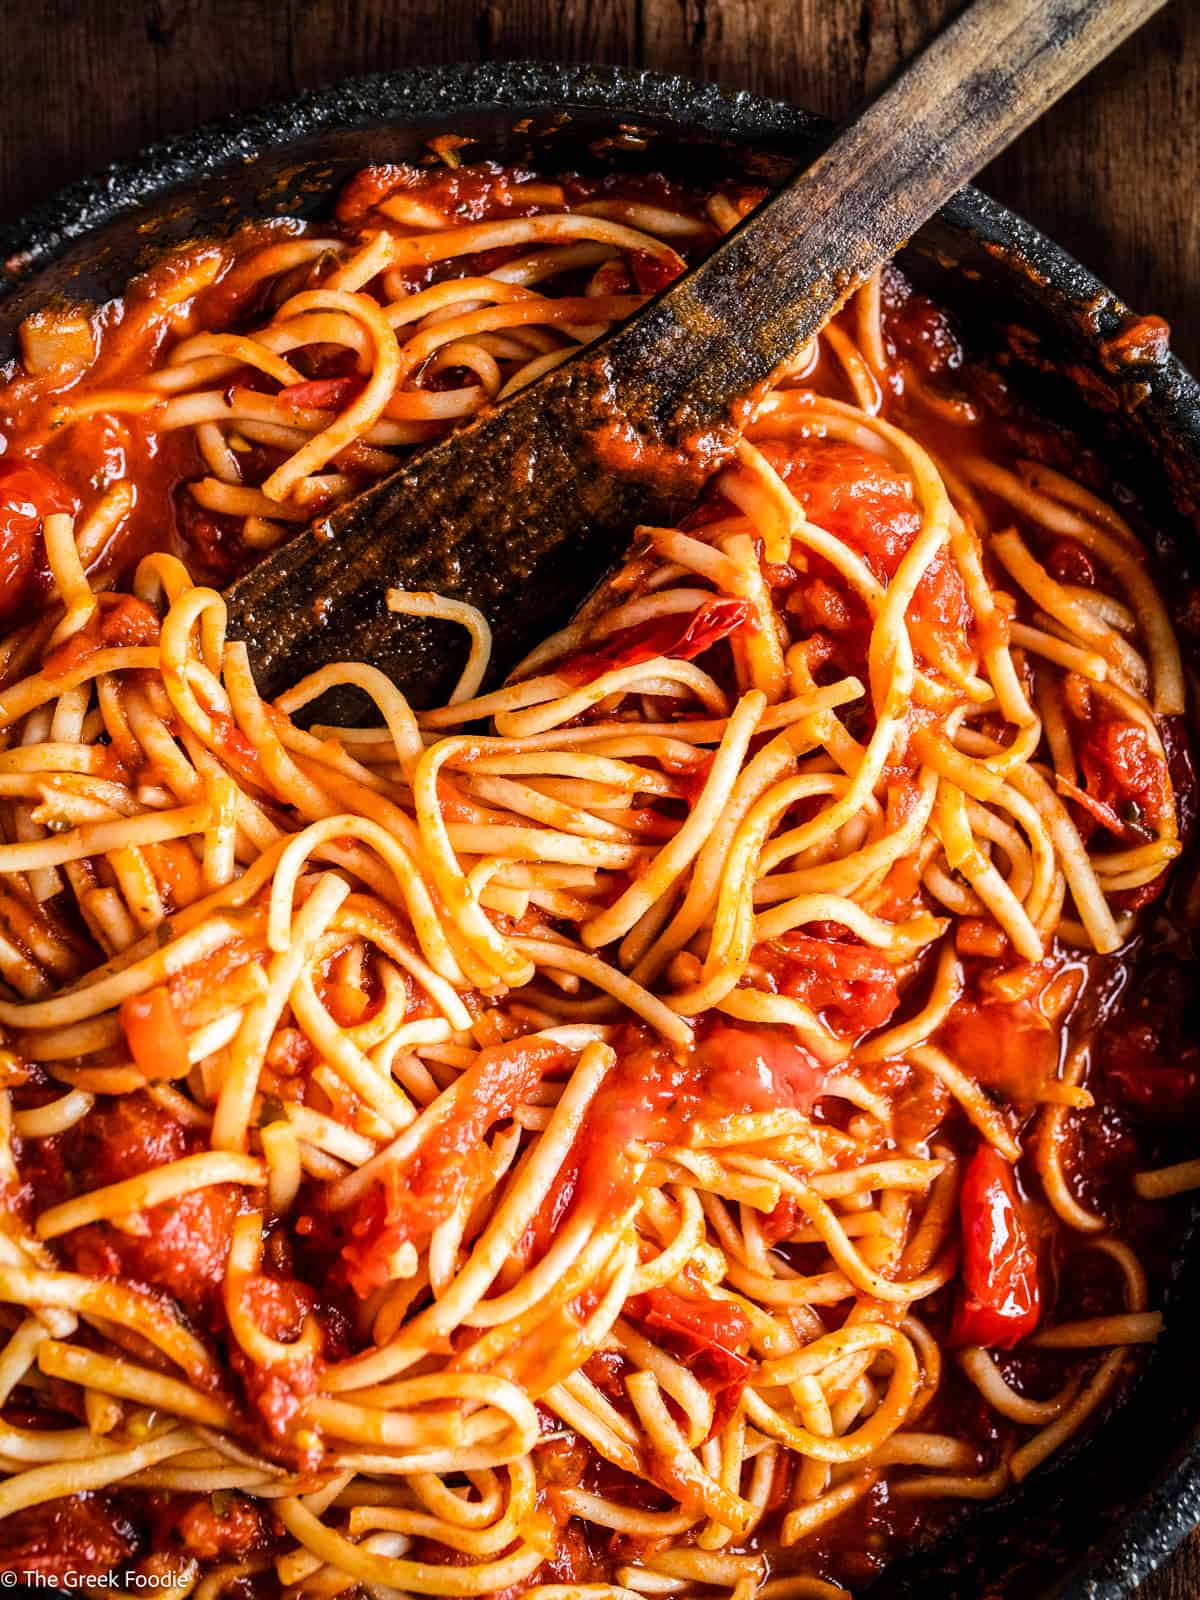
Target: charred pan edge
{"type": "Point", "coordinates": [404, 97]}
{"type": "Point", "coordinates": [1074, 1533]}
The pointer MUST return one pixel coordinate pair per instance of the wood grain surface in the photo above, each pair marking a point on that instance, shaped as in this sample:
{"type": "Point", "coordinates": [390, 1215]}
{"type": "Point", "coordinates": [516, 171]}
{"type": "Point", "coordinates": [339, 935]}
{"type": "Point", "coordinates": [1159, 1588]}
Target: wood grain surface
{"type": "Point", "coordinates": [1111, 172]}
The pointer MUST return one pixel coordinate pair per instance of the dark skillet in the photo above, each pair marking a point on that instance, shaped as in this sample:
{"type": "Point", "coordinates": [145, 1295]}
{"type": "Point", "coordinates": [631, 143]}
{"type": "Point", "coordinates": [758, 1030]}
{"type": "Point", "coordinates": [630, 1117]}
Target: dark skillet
{"type": "Point", "coordinates": [1095, 1523]}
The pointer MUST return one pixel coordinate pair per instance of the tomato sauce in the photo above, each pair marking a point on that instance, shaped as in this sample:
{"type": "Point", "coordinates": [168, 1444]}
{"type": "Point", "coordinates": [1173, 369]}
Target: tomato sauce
{"type": "Point", "coordinates": [1019, 1268]}
{"type": "Point", "coordinates": [28, 494]}
{"type": "Point", "coordinates": [850, 986]}
{"type": "Point", "coordinates": [653, 1097]}
{"type": "Point", "coordinates": [67, 1540]}
{"type": "Point", "coordinates": [415, 1195]}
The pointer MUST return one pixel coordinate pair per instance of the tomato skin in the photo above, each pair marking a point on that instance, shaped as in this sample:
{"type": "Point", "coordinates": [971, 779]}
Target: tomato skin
{"type": "Point", "coordinates": [154, 1033]}
{"type": "Point", "coordinates": [415, 1195]}
{"type": "Point", "coordinates": [1001, 1300]}
{"type": "Point", "coordinates": [28, 495]}
{"type": "Point", "coordinates": [661, 636]}
{"type": "Point", "coordinates": [702, 1333]}
{"type": "Point", "coordinates": [1121, 770]}
{"type": "Point", "coordinates": [702, 1323]}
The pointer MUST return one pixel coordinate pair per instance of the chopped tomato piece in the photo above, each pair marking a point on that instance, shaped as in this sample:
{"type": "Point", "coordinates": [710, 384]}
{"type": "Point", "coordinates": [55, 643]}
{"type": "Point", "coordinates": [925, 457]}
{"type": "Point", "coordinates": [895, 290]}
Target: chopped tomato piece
{"type": "Point", "coordinates": [860, 499]}
{"type": "Point", "coordinates": [181, 1246]}
{"type": "Point", "coordinates": [1129, 831]}
{"type": "Point", "coordinates": [57, 342]}
{"type": "Point", "coordinates": [1001, 1299]}
{"type": "Point", "coordinates": [320, 394]}
{"type": "Point", "coordinates": [979, 936]}
{"type": "Point", "coordinates": [781, 1222]}
{"type": "Point", "coordinates": [347, 1004]}
{"type": "Point", "coordinates": [759, 1069]}
{"type": "Point", "coordinates": [279, 1393]}
{"type": "Point", "coordinates": [653, 272]}
{"type": "Point", "coordinates": [471, 192]}
{"type": "Point", "coordinates": [221, 1526]}
{"type": "Point", "coordinates": [652, 1096]}
{"type": "Point", "coordinates": [698, 1326]}
{"type": "Point", "coordinates": [28, 495]}
{"type": "Point", "coordinates": [1069, 562]}
{"type": "Point", "coordinates": [367, 188]}
{"type": "Point", "coordinates": [850, 984]}
{"type": "Point", "coordinates": [1182, 772]}
{"type": "Point", "coordinates": [649, 1097]}
{"type": "Point", "coordinates": [183, 1251]}
{"type": "Point", "coordinates": [75, 1538]}
{"type": "Point", "coordinates": [572, 1564]}
{"type": "Point", "coordinates": [822, 606]}
{"type": "Point", "coordinates": [1124, 777]}
{"type": "Point", "coordinates": [416, 1194]}
{"type": "Point", "coordinates": [212, 541]}
{"type": "Point", "coordinates": [1008, 1045]}
{"type": "Point", "coordinates": [118, 620]}
{"type": "Point", "coordinates": [704, 1334]}
{"type": "Point", "coordinates": [673, 636]}
{"type": "Point", "coordinates": [854, 494]}
{"type": "Point", "coordinates": [154, 1033]}
{"type": "Point", "coordinates": [921, 331]}
{"type": "Point", "coordinates": [124, 1135]}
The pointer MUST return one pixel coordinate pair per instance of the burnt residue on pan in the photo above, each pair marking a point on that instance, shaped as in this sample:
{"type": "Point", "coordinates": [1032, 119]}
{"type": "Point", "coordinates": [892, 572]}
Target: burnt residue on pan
{"type": "Point", "coordinates": [1092, 1525]}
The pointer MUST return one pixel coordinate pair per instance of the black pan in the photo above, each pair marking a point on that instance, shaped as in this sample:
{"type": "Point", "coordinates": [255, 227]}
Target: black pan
{"type": "Point", "coordinates": [1095, 1522]}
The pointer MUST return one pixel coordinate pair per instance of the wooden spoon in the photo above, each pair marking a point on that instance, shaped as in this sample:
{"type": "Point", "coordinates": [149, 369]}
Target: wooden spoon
{"type": "Point", "coordinates": [524, 509]}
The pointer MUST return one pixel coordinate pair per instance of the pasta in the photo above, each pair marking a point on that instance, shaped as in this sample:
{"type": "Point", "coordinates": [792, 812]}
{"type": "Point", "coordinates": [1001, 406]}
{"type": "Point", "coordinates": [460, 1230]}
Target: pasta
{"type": "Point", "coordinates": [584, 1139]}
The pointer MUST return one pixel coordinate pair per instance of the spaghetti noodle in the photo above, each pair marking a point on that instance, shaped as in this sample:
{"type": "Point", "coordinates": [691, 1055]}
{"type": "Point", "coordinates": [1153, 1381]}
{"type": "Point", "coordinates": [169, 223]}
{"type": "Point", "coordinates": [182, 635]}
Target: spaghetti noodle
{"type": "Point", "coordinates": [589, 1138]}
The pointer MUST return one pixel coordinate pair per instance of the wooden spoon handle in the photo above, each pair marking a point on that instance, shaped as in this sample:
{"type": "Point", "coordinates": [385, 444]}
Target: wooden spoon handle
{"type": "Point", "coordinates": [521, 511]}
{"type": "Point", "coordinates": [773, 282]}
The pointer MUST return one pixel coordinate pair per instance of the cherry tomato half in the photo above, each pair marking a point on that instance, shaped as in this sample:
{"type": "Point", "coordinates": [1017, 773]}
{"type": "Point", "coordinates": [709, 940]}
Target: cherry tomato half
{"type": "Point", "coordinates": [1001, 1299]}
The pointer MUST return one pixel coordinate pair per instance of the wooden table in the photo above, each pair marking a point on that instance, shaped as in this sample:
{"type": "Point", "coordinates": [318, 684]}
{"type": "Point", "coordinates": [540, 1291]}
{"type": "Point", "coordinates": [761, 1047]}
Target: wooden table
{"type": "Point", "coordinates": [1111, 172]}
